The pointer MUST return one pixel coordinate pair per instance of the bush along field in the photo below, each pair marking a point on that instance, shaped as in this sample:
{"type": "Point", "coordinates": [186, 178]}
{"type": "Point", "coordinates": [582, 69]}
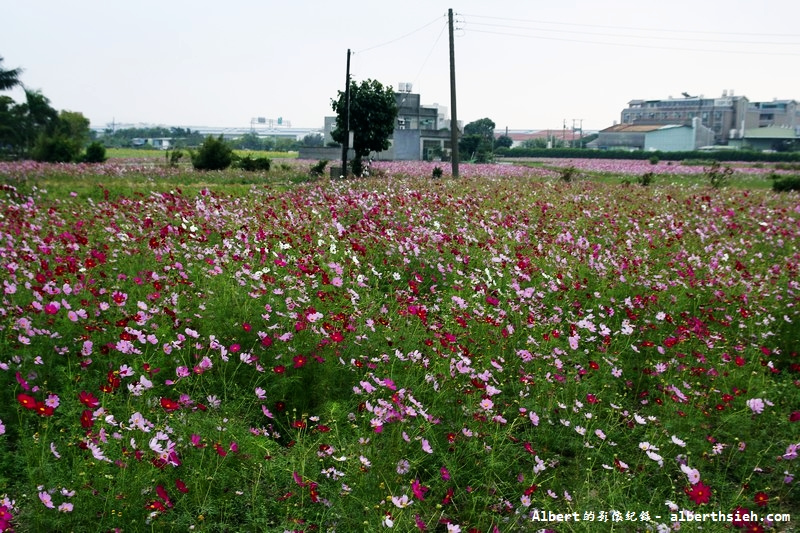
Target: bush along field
{"type": "Point", "coordinates": [496, 353]}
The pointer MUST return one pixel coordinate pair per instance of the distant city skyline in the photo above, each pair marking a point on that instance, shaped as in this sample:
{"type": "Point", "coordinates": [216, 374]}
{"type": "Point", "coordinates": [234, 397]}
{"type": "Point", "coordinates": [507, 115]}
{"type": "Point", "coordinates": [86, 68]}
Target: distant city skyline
{"type": "Point", "coordinates": [525, 65]}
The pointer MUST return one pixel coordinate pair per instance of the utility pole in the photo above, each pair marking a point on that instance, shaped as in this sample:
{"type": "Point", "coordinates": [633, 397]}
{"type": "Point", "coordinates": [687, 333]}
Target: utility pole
{"type": "Point", "coordinates": [346, 143]}
{"type": "Point", "coordinates": [453, 112]}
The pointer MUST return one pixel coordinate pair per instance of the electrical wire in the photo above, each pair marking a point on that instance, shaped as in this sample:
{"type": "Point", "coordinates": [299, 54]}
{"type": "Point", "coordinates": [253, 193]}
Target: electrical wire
{"type": "Point", "coordinates": [647, 29]}
{"type": "Point", "coordinates": [536, 33]}
{"type": "Point", "coordinates": [634, 45]}
{"type": "Point", "coordinates": [655, 37]}
{"type": "Point", "coordinates": [409, 34]}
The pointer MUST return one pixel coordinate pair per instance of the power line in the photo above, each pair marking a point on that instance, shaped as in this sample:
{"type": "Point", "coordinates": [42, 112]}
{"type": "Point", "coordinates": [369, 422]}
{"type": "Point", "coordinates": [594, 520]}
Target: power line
{"type": "Point", "coordinates": [647, 29]}
{"type": "Point", "coordinates": [399, 38]}
{"type": "Point", "coordinates": [634, 45]}
{"type": "Point", "coordinates": [654, 37]}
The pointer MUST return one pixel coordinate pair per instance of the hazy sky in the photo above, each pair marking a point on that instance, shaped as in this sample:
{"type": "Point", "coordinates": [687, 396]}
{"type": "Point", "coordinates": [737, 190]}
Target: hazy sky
{"type": "Point", "coordinates": [526, 64]}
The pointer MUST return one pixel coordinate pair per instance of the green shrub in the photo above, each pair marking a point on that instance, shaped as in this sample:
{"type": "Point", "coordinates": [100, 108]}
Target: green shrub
{"type": "Point", "coordinates": [654, 160]}
{"type": "Point", "coordinates": [645, 179]}
{"type": "Point", "coordinates": [252, 164]}
{"type": "Point", "coordinates": [56, 149]}
{"type": "Point", "coordinates": [174, 157]}
{"type": "Point", "coordinates": [718, 176]}
{"type": "Point", "coordinates": [318, 168]}
{"type": "Point", "coordinates": [95, 153]}
{"type": "Point", "coordinates": [786, 183]}
{"type": "Point", "coordinates": [437, 172]}
{"type": "Point", "coordinates": [213, 154]}
{"type": "Point", "coordinates": [568, 174]}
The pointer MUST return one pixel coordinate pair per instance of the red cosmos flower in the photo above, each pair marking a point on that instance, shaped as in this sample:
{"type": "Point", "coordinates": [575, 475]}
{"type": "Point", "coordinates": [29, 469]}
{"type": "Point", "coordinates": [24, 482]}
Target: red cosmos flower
{"type": "Point", "coordinates": [761, 499]}
{"type": "Point", "coordinates": [418, 489]}
{"type": "Point", "coordinates": [155, 505]}
{"type": "Point", "coordinates": [280, 369]}
{"type": "Point", "coordinates": [794, 416]}
{"type": "Point", "coordinates": [28, 402]}
{"type": "Point", "coordinates": [700, 493]}
{"type": "Point", "coordinates": [593, 365]}
{"type": "Point", "coordinates": [87, 419]}
{"type": "Point", "coordinates": [299, 361]}
{"type": "Point", "coordinates": [169, 405]}
{"type": "Point", "coordinates": [222, 452]}
{"type": "Point", "coordinates": [337, 336]}
{"type": "Point", "coordinates": [88, 399]}
{"type": "Point", "coordinates": [43, 409]}
{"type": "Point", "coordinates": [162, 493]}
{"type": "Point", "coordinates": [448, 497]}
{"type": "Point", "coordinates": [591, 398]}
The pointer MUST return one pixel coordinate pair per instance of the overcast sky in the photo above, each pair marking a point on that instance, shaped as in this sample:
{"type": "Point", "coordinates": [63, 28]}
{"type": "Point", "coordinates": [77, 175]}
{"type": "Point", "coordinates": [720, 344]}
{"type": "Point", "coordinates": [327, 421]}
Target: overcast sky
{"type": "Point", "coordinates": [526, 64]}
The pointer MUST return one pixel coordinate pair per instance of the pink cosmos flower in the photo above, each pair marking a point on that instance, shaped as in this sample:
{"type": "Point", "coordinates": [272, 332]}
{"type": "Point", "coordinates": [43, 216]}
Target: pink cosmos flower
{"type": "Point", "coordinates": [47, 500]}
{"type": "Point", "coordinates": [426, 446]}
{"type": "Point", "coordinates": [756, 405]}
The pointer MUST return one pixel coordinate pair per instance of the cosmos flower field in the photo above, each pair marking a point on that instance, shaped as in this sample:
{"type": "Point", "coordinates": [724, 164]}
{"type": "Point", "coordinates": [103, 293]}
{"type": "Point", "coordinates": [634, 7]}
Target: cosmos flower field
{"type": "Point", "coordinates": [496, 353]}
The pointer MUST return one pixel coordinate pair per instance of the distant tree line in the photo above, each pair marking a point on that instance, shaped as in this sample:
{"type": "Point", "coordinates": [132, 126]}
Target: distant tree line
{"type": "Point", "coordinates": [186, 138]}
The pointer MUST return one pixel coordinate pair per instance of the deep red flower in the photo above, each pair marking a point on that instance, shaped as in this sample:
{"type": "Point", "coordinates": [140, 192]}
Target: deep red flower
{"type": "Point", "coordinates": [181, 486]}
{"type": "Point", "coordinates": [88, 399]}
{"type": "Point", "coordinates": [156, 505]}
{"type": "Point", "coordinates": [299, 361]}
{"type": "Point", "coordinates": [761, 498]}
{"type": "Point", "coordinates": [28, 402]}
{"type": "Point", "coordinates": [87, 419]}
{"type": "Point", "coordinates": [222, 452]}
{"type": "Point", "coordinates": [448, 497]}
{"type": "Point", "coordinates": [162, 493]}
{"type": "Point", "coordinates": [169, 405]}
{"type": "Point", "coordinates": [418, 489]}
{"type": "Point", "coordinates": [43, 409]}
{"type": "Point", "coordinates": [699, 493]}
{"type": "Point", "coordinates": [794, 416]}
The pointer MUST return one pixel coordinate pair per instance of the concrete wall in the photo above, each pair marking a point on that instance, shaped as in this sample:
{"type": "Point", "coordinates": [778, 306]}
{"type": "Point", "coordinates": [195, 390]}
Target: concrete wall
{"type": "Point", "coordinates": [327, 152]}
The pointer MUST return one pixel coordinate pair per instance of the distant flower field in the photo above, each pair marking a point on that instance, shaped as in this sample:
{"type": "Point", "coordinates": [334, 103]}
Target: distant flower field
{"type": "Point", "coordinates": [494, 353]}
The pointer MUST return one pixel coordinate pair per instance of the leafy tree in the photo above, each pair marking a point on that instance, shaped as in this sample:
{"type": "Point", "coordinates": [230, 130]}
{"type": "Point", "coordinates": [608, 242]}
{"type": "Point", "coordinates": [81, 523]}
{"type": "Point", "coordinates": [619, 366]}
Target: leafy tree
{"type": "Point", "coordinates": [504, 141]}
{"type": "Point", "coordinates": [63, 139]}
{"type": "Point", "coordinates": [35, 117]}
{"type": "Point", "coordinates": [95, 153]}
{"type": "Point", "coordinates": [483, 127]}
{"type": "Point", "coordinates": [542, 142]}
{"type": "Point", "coordinates": [213, 154]}
{"type": "Point", "coordinates": [9, 78]}
{"type": "Point", "coordinates": [372, 114]}
{"type": "Point", "coordinates": [313, 140]}
{"type": "Point", "coordinates": [478, 140]}
{"type": "Point", "coordinates": [250, 141]}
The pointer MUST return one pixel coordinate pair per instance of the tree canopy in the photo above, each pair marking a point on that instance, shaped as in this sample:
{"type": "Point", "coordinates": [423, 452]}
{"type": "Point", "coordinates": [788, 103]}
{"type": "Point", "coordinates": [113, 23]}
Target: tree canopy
{"type": "Point", "coordinates": [478, 140]}
{"type": "Point", "coordinates": [33, 129]}
{"type": "Point", "coordinates": [9, 78]}
{"type": "Point", "coordinates": [372, 115]}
